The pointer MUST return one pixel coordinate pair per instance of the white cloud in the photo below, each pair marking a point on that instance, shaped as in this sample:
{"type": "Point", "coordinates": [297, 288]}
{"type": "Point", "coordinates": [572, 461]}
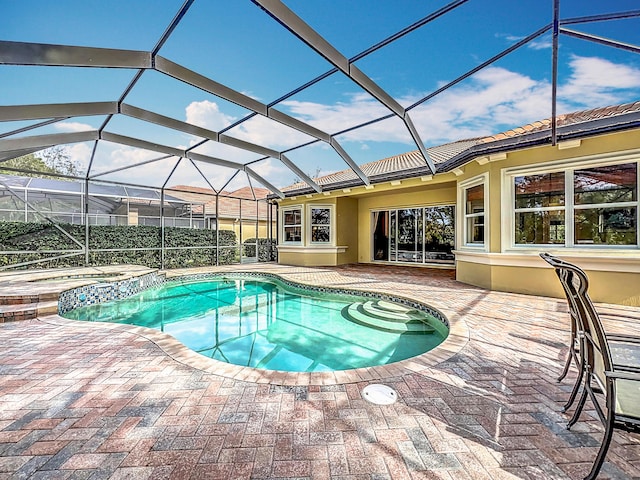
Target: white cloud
{"type": "Point", "coordinates": [541, 43]}
{"type": "Point", "coordinates": [490, 101]}
{"type": "Point", "coordinates": [268, 133]}
{"type": "Point", "coordinates": [72, 126]}
{"type": "Point", "coordinates": [596, 82]}
{"type": "Point", "coordinates": [207, 114]}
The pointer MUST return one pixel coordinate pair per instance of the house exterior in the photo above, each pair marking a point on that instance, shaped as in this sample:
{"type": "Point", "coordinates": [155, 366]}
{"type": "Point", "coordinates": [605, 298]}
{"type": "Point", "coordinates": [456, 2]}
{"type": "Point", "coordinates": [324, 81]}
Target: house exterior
{"type": "Point", "coordinates": [492, 206]}
{"type": "Point", "coordinates": [244, 211]}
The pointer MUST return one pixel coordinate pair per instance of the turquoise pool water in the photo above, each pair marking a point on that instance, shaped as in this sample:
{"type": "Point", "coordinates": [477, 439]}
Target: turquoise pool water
{"type": "Point", "coordinates": [266, 324]}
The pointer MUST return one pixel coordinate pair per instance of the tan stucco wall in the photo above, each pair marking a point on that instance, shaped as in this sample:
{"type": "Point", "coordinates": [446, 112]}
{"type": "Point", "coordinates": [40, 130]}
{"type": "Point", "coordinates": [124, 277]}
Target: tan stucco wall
{"type": "Point", "coordinates": [347, 229]}
{"type": "Point", "coordinates": [354, 207]}
{"type": "Point", "coordinates": [600, 145]}
{"type": "Point", "coordinates": [308, 259]}
{"type": "Point", "coordinates": [606, 287]}
{"type": "Point", "coordinates": [248, 228]}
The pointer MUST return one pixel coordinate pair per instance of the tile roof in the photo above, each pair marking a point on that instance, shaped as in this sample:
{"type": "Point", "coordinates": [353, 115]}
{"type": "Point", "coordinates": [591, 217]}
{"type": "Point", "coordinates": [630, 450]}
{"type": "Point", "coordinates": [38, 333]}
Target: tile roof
{"type": "Point", "coordinates": [405, 162]}
{"type": "Point", "coordinates": [567, 119]}
{"type": "Point", "coordinates": [448, 156]}
{"type": "Point", "coordinates": [228, 202]}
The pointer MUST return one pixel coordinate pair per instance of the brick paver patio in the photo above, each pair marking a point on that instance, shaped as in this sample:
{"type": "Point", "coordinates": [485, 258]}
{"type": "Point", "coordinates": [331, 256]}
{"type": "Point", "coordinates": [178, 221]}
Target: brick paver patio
{"type": "Point", "coordinates": [90, 401]}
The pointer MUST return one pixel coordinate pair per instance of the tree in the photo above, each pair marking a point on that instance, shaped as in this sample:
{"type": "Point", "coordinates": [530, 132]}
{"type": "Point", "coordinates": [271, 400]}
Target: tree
{"type": "Point", "coordinates": [54, 160]}
{"type": "Point", "coordinates": [28, 162]}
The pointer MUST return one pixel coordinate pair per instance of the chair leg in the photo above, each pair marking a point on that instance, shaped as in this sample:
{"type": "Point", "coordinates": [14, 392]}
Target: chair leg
{"type": "Point", "coordinates": [574, 392]}
{"type": "Point", "coordinates": [576, 414]}
{"type": "Point", "coordinates": [576, 386]}
{"type": "Point", "coordinates": [567, 364]}
{"type": "Point", "coordinates": [606, 441]}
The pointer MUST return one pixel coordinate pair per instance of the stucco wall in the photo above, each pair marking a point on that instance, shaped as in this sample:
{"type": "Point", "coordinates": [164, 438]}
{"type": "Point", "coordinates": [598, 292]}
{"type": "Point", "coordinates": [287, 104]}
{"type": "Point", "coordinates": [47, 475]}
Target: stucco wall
{"type": "Point", "coordinates": [607, 287]}
{"type": "Point", "coordinates": [616, 284]}
{"type": "Point", "coordinates": [347, 233]}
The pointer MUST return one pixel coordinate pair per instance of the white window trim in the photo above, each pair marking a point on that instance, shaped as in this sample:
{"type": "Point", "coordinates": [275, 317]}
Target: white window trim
{"type": "Point", "coordinates": [461, 217]}
{"type": "Point", "coordinates": [282, 225]}
{"type": "Point", "coordinates": [332, 225]}
{"type": "Point", "coordinates": [508, 202]}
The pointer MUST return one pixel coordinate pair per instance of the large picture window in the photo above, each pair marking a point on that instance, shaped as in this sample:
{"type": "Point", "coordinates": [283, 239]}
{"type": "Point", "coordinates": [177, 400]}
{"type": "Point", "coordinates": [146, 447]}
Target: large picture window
{"type": "Point", "coordinates": [594, 205]}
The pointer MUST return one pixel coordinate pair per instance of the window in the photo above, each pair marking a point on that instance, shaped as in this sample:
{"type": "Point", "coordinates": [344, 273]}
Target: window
{"type": "Point", "coordinates": [591, 205]}
{"type": "Point", "coordinates": [606, 205]}
{"type": "Point", "coordinates": [473, 200]}
{"type": "Point", "coordinates": [540, 209]}
{"type": "Point", "coordinates": [320, 224]}
{"type": "Point", "coordinates": [292, 225]}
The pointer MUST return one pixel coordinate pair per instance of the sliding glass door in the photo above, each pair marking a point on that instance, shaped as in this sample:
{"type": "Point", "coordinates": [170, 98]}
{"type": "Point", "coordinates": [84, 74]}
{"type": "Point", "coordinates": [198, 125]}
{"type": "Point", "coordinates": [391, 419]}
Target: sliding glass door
{"type": "Point", "coordinates": [414, 235]}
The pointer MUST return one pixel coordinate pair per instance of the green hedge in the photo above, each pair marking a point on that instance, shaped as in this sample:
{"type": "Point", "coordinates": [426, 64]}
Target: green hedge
{"type": "Point", "coordinates": [266, 249]}
{"type": "Point", "coordinates": [37, 238]}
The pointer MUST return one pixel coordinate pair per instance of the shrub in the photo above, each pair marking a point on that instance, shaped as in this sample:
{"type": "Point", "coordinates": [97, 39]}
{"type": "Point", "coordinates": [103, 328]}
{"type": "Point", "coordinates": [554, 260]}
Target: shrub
{"type": "Point", "coordinates": [37, 238]}
{"type": "Point", "coordinates": [266, 249]}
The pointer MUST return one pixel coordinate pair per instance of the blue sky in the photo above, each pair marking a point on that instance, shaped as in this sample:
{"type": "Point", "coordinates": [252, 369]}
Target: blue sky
{"type": "Point", "coordinates": [239, 45]}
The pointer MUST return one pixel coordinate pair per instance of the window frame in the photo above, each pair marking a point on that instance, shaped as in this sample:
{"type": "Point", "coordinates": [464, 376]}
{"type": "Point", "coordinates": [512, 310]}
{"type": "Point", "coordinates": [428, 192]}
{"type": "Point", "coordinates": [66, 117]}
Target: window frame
{"type": "Point", "coordinates": [463, 217]}
{"type": "Point", "coordinates": [332, 224]}
{"type": "Point", "coordinates": [568, 168]}
{"type": "Point", "coordinates": [283, 212]}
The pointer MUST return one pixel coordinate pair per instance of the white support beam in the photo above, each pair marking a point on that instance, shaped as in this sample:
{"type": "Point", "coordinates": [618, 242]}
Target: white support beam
{"type": "Point", "coordinates": [37, 142]}
{"type": "Point", "coordinates": [9, 155]}
{"type": "Point", "coordinates": [43, 54]}
{"type": "Point", "coordinates": [306, 178]}
{"type": "Point", "coordinates": [168, 122]}
{"type": "Point", "coordinates": [264, 182]}
{"type": "Point", "coordinates": [138, 143]}
{"type": "Point", "coordinates": [279, 11]}
{"type": "Point", "coordinates": [345, 156]}
{"type": "Point", "coordinates": [214, 161]}
{"type": "Point", "coordinates": [418, 141]}
{"type": "Point", "coordinates": [251, 147]}
{"type": "Point", "coordinates": [51, 110]}
{"type": "Point", "coordinates": [204, 83]}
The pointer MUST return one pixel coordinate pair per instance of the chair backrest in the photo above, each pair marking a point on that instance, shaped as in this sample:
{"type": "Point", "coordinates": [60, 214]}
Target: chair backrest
{"type": "Point", "coordinates": [575, 284]}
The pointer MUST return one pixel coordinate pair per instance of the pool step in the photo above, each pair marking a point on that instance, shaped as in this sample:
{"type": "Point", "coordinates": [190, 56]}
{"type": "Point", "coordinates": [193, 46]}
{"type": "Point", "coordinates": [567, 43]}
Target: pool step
{"type": "Point", "coordinates": [372, 314]}
{"type": "Point", "coordinates": [15, 312]}
{"type": "Point", "coordinates": [390, 311]}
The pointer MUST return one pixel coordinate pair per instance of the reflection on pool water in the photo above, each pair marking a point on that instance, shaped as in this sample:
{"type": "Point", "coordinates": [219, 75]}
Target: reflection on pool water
{"type": "Point", "coordinates": [267, 324]}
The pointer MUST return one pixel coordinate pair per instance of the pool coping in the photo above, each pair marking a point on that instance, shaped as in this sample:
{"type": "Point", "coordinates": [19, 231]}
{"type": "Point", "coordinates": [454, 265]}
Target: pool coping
{"type": "Point", "coordinates": [454, 342]}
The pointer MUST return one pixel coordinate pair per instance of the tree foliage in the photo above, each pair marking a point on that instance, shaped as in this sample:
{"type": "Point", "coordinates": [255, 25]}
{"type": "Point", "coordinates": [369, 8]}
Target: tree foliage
{"type": "Point", "coordinates": [45, 164]}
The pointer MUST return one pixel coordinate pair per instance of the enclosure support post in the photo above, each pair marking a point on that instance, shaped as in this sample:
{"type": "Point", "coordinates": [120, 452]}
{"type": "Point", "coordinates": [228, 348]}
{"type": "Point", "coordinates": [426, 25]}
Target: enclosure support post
{"type": "Point", "coordinates": [162, 228]}
{"type": "Point", "coordinates": [277, 228]}
{"type": "Point", "coordinates": [240, 234]}
{"type": "Point", "coordinates": [217, 230]}
{"type": "Point", "coordinates": [86, 222]}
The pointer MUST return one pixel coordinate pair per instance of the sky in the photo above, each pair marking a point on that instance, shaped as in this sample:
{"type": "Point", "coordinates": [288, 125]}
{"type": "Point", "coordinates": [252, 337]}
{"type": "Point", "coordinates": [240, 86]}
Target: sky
{"type": "Point", "coordinates": [236, 43]}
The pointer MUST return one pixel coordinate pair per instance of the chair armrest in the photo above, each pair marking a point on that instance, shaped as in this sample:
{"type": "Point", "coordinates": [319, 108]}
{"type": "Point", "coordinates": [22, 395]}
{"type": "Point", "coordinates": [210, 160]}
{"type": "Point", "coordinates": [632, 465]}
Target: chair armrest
{"type": "Point", "coordinates": [626, 368]}
{"type": "Point", "coordinates": [613, 337]}
{"type": "Point", "coordinates": [623, 375]}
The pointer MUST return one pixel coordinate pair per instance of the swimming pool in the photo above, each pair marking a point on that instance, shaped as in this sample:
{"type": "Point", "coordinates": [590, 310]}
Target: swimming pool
{"type": "Point", "coordinates": [267, 324]}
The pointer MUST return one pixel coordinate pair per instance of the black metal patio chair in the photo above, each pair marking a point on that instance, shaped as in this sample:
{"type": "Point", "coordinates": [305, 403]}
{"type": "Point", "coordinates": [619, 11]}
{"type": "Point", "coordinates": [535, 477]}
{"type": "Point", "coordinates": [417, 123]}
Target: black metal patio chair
{"type": "Point", "coordinates": [575, 341]}
{"type": "Point", "coordinates": [609, 364]}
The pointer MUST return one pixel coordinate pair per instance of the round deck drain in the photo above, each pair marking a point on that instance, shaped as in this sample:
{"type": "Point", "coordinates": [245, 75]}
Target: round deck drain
{"type": "Point", "coordinates": [379, 394]}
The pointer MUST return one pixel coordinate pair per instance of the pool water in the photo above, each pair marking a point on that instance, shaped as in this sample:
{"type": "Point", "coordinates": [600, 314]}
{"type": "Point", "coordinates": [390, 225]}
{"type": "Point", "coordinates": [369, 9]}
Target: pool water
{"type": "Point", "coordinates": [267, 324]}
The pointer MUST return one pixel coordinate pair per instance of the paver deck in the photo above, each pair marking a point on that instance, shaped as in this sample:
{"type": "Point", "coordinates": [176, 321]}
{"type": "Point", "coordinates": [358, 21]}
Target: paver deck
{"type": "Point", "coordinates": [92, 401]}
